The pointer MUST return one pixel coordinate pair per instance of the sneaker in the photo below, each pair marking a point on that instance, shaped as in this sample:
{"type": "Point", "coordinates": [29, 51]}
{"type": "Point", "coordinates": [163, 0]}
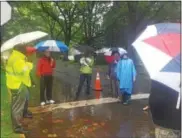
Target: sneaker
{"type": "Point", "coordinates": [51, 101]}
{"type": "Point", "coordinates": [42, 103]}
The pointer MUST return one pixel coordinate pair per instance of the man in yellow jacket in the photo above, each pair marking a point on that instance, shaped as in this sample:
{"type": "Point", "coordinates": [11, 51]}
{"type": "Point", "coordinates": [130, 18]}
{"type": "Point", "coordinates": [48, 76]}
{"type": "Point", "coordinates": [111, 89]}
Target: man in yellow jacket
{"type": "Point", "coordinates": [18, 80]}
{"type": "Point", "coordinates": [86, 62]}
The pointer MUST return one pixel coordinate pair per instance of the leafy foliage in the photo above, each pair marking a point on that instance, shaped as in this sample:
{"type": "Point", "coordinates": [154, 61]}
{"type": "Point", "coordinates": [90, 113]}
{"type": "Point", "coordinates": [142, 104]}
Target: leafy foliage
{"type": "Point", "coordinates": [93, 23]}
{"type": "Point", "coordinates": [126, 19]}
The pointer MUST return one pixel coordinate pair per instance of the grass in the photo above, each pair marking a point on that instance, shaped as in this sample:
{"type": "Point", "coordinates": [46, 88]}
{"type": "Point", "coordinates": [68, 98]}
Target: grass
{"type": "Point", "coordinates": [6, 123]}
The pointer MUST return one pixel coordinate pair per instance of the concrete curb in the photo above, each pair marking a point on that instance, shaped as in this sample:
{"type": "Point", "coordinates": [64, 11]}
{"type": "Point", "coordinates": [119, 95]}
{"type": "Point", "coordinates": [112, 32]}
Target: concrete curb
{"type": "Point", "coordinates": [82, 103]}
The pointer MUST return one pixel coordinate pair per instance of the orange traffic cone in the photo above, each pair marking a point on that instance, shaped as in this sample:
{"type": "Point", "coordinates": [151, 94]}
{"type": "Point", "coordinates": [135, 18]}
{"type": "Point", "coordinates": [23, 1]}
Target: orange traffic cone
{"type": "Point", "coordinates": [97, 88]}
{"type": "Point", "coordinates": [98, 83]}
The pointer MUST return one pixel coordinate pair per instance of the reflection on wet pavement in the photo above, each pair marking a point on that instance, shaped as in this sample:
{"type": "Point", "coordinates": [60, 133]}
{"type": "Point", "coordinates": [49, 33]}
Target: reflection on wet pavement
{"type": "Point", "coordinates": [111, 120]}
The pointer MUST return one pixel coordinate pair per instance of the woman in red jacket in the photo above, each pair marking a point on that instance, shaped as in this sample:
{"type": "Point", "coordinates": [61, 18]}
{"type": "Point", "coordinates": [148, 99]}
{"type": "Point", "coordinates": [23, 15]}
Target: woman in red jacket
{"type": "Point", "coordinates": [45, 67]}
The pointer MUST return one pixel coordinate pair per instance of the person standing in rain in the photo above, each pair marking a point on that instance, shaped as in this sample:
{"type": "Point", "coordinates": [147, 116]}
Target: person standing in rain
{"type": "Point", "coordinates": [126, 75]}
{"type": "Point", "coordinates": [45, 67]}
{"type": "Point", "coordinates": [86, 62]}
{"type": "Point", "coordinates": [18, 81]}
{"type": "Point", "coordinates": [112, 74]}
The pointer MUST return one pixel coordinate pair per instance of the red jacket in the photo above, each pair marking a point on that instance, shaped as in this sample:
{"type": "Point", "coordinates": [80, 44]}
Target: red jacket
{"type": "Point", "coordinates": [44, 66]}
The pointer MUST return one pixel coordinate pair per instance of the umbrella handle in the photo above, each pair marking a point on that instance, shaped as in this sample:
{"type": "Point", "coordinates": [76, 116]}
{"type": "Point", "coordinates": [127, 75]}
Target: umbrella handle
{"type": "Point", "coordinates": [178, 101]}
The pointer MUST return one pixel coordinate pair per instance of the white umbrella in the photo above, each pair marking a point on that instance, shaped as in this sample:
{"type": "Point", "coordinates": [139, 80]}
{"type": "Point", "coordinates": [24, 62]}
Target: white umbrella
{"type": "Point", "coordinates": [103, 50]}
{"type": "Point", "coordinates": [5, 12]}
{"type": "Point", "coordinates": [22, 39]}
{"type": "Point", "coordinates": [71, 58]}
{"type": "Point", "coordinates": [108, 51]}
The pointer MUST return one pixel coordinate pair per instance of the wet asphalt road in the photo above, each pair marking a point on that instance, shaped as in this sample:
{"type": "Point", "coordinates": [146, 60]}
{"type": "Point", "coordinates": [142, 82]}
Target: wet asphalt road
{"type": "Point", "coordinates": [111, 120]}
{"type": "Point", "coordinates": [101, 121]}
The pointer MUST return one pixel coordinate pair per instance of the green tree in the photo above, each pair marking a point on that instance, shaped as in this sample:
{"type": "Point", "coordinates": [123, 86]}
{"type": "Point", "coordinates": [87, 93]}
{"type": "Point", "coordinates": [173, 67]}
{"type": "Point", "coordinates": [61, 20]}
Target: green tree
{"type": "Point", "coordinates": [124, 20]}
{"type": "Point", "coordinates": [66, 14]}
{"type": "Point", "coordinates": [93, 22]}
{"type": "Point", "coordinates": [92, 16]}
{"type": "Point", "coordinates": [29, 16]}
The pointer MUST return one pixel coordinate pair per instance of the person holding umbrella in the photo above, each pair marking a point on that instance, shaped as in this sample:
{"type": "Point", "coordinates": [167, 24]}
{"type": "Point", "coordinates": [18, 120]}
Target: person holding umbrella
{"type": "Point", "coordinates": [112, 74]}
{"type": "Point", "coordinates": [45, 67]}
{"type": "Point", "coordinates": [86, 62]}
{"type": "Point", "coordinates": [18, 81]}
{"type": "Point", "coordinates": [126, 75]}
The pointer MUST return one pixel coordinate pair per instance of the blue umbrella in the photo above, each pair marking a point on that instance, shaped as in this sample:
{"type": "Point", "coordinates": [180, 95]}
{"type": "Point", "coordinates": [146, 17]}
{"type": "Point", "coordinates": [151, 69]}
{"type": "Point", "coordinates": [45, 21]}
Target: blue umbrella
{"type": "Point", "coordinates": [52, 45]}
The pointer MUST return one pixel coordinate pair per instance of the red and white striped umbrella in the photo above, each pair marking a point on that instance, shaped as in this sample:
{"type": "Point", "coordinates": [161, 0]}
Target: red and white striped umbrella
{"type": "Point", "coordinates": [108, 53]}
{"type": "Point", "coordinates": [158, 47]}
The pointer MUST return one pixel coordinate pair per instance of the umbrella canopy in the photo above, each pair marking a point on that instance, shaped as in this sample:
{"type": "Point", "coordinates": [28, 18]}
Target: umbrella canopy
{"type": "Point", "coordinates": [158, 46]}
{"type": "Point", "coordinates": [84, 48]}
{"type": "Point", "coordinates": [22, 39]}
{"type": "Point", "coordinates": [29, 51]}
{"type": "Point", "coordinates": [108, 53]}
{"type": "Point", "coordinates": [103, 50]}
{"type": "Point", "coordinates": [74, 52]}
{"type": "Point", "coordinates": [52, 45]}
{"type": "Point", "coordinates": [5, 12]}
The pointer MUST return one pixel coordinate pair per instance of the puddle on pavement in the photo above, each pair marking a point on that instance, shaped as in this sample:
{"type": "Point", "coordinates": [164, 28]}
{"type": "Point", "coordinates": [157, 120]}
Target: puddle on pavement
{"type": "Point", "coordinates": [101, 121]}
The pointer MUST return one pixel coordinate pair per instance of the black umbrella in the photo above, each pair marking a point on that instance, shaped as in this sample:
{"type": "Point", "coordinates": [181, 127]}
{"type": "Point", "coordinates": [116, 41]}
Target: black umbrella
{"type": "Point", "coordinates": [84, 48]}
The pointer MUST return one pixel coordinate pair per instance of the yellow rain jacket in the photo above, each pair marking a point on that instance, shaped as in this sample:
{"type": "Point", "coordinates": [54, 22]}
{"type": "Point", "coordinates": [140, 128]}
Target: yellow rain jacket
{"type": "Point", "coordinates": [18, 70]}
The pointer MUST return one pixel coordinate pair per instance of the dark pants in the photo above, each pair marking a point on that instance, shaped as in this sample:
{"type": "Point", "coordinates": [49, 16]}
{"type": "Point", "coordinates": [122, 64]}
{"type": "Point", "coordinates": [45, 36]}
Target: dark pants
{"type": "Point", "coordinates": [125, 96]}
{"type": "Point", "coordinates": [46, 85]}
{"type": "Point", "coordinates": [83, 78]}
{"type": "Point", "coordinates": [19, 105]}
{"type": "Point", "coordinates": [114, 87]}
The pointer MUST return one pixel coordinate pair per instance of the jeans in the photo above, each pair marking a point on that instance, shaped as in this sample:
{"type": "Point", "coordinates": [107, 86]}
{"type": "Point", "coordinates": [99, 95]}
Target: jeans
{"type": "Point", "coordinates": [83, 78]}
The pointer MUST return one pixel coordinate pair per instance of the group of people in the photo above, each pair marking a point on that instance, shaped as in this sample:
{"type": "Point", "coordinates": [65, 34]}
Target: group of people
{"type": "Point", "coordinates": [122, 74]}
{"type": "Point", "coordinates": [19, 81]}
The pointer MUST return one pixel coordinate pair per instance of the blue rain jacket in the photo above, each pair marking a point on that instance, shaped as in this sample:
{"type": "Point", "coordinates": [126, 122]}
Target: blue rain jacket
{"type": "Point", "coordinates": [126, 74]}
